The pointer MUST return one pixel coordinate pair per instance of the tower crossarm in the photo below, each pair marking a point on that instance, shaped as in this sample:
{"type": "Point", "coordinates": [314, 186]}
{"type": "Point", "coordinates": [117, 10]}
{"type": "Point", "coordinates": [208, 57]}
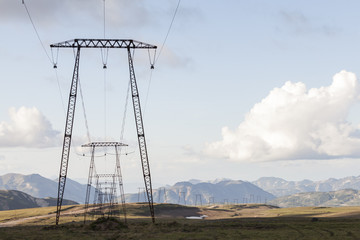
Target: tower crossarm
{"type": "Point", "coordinates": [103, 43]}
{"type": "Point", "coordinates": [105, 175]}
{"type": "Point", "coordinates": [105, 144]}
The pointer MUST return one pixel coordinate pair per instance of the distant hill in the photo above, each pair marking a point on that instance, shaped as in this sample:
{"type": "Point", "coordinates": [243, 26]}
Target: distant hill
{"type": "Point", "coordinates": [228, 191]}
{"type": "Point", "coordinates": [13, 199]}
{"type": "Point", "coordinates": [188, 192]}
{"type": "Point", "coordinates": [41, 187]}
{"type": "Point", "coordinates": [280, 187]}
{"type": "Point", "coordinates": [346, 197]}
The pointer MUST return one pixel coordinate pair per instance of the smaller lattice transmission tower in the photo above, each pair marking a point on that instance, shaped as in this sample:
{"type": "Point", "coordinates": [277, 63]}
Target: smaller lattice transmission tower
{"type": "Point", "coordinates": [108, 186]}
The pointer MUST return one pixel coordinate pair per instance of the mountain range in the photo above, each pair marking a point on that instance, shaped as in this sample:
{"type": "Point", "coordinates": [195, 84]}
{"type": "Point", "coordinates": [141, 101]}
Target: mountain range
{"type": "Point", "coordinates": [41, 187]}
{"type": "Point", "coordinates": [280, 187]}
{"type": "Point", "coordinates": [198, 193]}
{"type": "Point", "coordinates": [346, 197]}
{"type": "Point", "coordinates": [331, 192]}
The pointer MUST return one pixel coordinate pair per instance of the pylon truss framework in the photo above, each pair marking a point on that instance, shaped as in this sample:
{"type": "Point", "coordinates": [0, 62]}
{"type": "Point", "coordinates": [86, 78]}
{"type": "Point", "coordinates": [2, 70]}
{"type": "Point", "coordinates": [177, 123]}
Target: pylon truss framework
{"type": "Point", "coordinates": [103, 43]}
{"type": "Point", "coordinates": [105, 144]}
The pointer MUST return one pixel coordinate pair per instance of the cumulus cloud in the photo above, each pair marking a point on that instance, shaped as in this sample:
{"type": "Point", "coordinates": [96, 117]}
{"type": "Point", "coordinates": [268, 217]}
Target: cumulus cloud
{"type": "Point", "coordinates": [28, 127]}
{"type": "Point", "coordinates": [295, 123]}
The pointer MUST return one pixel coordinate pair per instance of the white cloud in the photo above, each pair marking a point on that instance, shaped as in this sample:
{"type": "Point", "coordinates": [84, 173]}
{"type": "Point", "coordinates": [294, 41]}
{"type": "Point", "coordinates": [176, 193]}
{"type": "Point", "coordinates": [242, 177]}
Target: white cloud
{"type": "Point", "coordinates": [28, 127]}
{"type": "Point", "coordinates": [295, 123]}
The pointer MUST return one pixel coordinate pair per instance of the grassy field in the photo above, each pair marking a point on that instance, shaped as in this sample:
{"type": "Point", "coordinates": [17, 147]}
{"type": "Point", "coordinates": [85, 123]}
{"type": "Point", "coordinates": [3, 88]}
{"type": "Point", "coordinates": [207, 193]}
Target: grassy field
{"type": "Point", "coordinates": [224, 222]}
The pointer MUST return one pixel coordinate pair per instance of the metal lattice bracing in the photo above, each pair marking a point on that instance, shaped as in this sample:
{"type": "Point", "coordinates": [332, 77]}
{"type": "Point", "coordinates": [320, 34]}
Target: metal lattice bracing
{"type": "Point", "coordinates": [141, 136]}
{"type": "Point", "coordinates": [120, 181]}
{"type": "Point", "coordinates": [67, 136]}
{"type": "Point", "coordinates": [104, 144]}
{"type": "Point", "coordinates": [103, 43]}
{"type": "Point", "coordinates": [90, 177]}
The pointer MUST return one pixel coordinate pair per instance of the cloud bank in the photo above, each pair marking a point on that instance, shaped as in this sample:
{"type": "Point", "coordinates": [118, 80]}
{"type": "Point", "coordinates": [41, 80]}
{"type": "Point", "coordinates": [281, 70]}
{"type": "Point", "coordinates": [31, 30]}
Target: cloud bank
{"type": "Point", "coordinates": [295, 123]}
{"type": "Point", "coordinates": [28, 127]}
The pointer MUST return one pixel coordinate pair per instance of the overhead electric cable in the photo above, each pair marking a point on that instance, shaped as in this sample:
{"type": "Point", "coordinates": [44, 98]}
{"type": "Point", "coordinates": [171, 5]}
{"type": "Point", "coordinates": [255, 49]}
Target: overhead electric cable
{"type": "Point", "coordinates": [167, 34]}
{"type": "Point", "coordinates": [54, 63]}
{"type": "Point", "coordinates": [60, 92]}
{"type": "Point", "coordinates": [105, 116]}
{"type": "Point", "coordinates": [104, 58]}
{"type": "Point", "coordinates": [147, 92]}
{"type": "Point", "coordinates": [84, 112]}
{"type": "Point", "coordinates": [157, 58]}
{"type": "Point", "coordinates": [37, 34]}
{"type": "Point", "coordinates": [103, 155]}
{"type": "Point", "coordinates": [125, 111]}
{"type": "Point", "coordinates": [105, 110]}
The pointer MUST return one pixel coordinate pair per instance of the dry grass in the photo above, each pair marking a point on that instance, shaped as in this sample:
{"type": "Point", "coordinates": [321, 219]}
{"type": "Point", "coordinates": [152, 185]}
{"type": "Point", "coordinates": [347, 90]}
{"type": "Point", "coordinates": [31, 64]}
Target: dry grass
{"type": "Point", "coordinates": [30, 212]}
{"type": "Point", "coordinates": [249, 221]}
{"type": "Point", "coordinates": [73, 214]}
{"type": "Point", "coordinates": [329, 212]}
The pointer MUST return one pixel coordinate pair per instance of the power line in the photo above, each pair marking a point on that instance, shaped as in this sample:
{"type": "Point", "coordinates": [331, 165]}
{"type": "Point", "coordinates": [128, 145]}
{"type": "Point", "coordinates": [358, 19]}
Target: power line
{"type": "Point", "coordinates": [147, 92]}
{"type": "Point", "coordinates": [157, 58]}
{"type": "Point", "coordinates": [104, 57]}
{"type": "Point", "coordinates": [60, 92]}
{"type": "Point", "coordinates": [52, 61]}
{"type": "Point", "coordinates": [84, 112]}
{"type": "Point", "coordinates": [37, 34]}
{"type": "Point", "coordinates": [105, 107]}
{"type": "Point", "coordinates": [167, 34]}
{"type": "Point", "coordinates": [125, 111]}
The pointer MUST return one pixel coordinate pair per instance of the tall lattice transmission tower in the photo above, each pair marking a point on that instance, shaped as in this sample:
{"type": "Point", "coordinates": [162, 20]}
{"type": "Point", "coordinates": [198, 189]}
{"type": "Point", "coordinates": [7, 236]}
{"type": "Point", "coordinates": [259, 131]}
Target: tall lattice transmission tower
{"type": "Point", "coordinates": [77, 45]}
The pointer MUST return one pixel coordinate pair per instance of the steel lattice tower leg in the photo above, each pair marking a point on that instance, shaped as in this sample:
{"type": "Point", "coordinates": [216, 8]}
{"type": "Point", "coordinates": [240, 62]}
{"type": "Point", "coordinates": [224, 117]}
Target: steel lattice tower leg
{"type": "Point", "coordinates": [141, 136]}
{"type": "Point", "coordinates": [88, 188]}
{"type": "Point", "coordinates": [121, 185]}
{"type": "Point", "coordinates": [67, 135]}
{"type": "Point", "coordinates": [112, 200]}
{"type": "Point", "coordinates": [96, 196]}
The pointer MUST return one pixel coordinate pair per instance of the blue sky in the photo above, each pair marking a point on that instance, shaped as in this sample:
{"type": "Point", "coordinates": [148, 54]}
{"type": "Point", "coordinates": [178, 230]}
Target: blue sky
{"type": "Point", "coordinates": [234, 64]}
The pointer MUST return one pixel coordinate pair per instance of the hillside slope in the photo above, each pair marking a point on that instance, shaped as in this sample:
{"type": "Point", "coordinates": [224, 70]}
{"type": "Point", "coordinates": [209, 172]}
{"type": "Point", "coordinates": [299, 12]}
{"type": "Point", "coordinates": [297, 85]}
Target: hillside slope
{"type": "Point", "coordinates": [13, 199]}
{"type": "Point", "coordinates": [41, 187]}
